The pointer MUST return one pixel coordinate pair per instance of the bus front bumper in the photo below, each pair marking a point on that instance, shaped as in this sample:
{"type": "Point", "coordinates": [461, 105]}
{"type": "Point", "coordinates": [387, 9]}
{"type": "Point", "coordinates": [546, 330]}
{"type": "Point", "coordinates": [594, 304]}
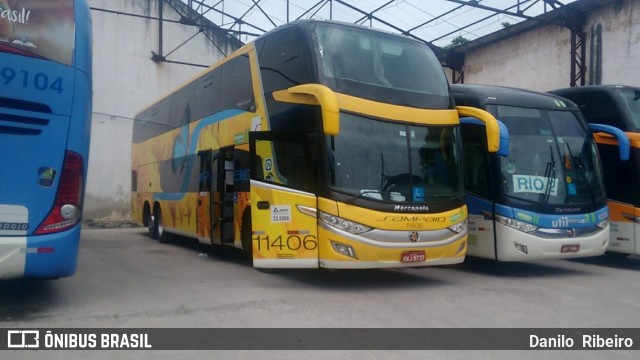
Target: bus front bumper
{"type": "Point", "coordinates": [378, 254]}
{"type": "Point", "coordinates": [515, 245]}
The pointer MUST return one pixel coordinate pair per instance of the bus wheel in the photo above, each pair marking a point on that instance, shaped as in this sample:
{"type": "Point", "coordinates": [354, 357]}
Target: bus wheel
{"type": "Point", "coordinates": [153, 232]}
{"type": "Point", "coordinates": [147, 219]}
{"type": "Point", "coordinates": [161, 235]}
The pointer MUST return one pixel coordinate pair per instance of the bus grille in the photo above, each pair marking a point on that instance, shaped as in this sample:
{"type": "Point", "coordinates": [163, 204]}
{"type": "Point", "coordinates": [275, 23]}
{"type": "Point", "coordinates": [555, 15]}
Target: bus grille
{"type": "Point", "coordinates": [21, 125]}
{"type": "Point", "coordinates": [24, 105]}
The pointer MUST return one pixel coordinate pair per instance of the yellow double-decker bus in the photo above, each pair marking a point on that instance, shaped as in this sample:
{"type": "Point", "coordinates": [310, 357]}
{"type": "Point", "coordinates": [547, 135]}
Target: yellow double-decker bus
{"type": "Point", "coordinates": [319, 144]}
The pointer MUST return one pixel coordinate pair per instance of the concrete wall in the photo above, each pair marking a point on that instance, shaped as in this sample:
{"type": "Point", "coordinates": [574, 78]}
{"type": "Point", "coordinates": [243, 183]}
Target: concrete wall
{"type": "Point", "coordinates": [620, 24]}
{"type": "Point", "coordinates": [537, 60]}
{"type": "Point", "coordinates": [540, 59]}
{"type": "Point", "coordinates": [126, 80]}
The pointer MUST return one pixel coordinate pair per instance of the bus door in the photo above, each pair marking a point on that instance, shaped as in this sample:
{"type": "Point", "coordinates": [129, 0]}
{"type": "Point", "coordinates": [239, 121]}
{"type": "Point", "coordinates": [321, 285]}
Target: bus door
{"type": "Point", "coordinates": [478, 182]}
{"type": "Point", "coordinates": [204, 215]}
{"type": "Point", "coordinates": [225, 185]}
{"type": "Point", "coordinates": [482, 234]}
{"type": "Point", "coordinates": [283, 200]}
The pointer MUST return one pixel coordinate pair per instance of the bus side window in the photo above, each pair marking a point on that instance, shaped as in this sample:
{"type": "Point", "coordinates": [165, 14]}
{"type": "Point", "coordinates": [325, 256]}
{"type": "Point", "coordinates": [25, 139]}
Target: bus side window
{"type": "Point", "coordinates": [285, 62]}
{"type": "Point", "coordinates": [237, 91]}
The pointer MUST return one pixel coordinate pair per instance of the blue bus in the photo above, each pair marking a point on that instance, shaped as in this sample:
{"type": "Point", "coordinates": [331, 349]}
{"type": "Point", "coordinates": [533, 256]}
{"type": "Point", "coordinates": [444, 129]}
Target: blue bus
{"type": "Point", "coordinates": [542, 196]}
{"type": "Point", "coordinates": [45, 124]}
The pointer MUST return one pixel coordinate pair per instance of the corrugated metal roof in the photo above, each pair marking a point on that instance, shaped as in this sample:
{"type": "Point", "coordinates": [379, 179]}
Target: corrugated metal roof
{"type": "Point", "coordinates": [570, 15]}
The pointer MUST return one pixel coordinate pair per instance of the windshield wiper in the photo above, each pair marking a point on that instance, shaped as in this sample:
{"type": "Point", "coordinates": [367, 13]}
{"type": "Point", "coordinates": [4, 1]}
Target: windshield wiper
{"type": "Point", "coordinates": [383, 177]}
{"type": "Point", "coordinates": [580, 171]}
{"type": "Point", "coordinates": [550, 175]}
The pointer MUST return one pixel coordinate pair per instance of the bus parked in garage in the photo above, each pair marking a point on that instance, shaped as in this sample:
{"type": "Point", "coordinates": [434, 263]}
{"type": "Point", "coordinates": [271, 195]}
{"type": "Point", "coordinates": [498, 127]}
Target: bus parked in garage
{"type": "Point", "coordinates": [320, 144]}
{"type": "Point", "coordinates": [546, 198]}
{"type": "Point", "coordinates": [617, 106]}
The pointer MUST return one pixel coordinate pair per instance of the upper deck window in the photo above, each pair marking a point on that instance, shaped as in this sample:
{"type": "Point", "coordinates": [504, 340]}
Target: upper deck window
{"type": "Point", "coordinates": [380, 67]}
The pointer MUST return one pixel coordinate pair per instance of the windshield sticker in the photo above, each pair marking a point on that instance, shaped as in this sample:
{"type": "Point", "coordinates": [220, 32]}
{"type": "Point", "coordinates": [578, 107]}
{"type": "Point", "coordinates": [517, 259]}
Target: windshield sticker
{"type": "Point", "coordinates": [567, 162]}
{"type": "Point", "coordinates": [571, 189]}
{"type": "Point", "coordinates": [510, 168]}
{"type": "Point", "coordinates": [270, 178]}
{"type": "Point", "coordinates": [534, 184]}
{"type": "Point", "coordinates": [418, 193]}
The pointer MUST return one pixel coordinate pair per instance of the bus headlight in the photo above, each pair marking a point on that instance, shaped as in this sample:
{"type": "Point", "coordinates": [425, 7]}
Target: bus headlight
{"type": "Point", "coordinates": [603, 224]}
{"type": "Point", "coordinates": [343, 224]}
{"type": "Point", "coordinates": [460, 227]}
{"type": "Point", "coordinates": [518, 225]}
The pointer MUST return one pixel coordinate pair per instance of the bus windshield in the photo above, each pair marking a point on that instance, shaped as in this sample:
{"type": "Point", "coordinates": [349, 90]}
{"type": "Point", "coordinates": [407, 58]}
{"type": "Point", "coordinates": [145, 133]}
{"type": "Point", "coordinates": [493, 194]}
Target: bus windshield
{"type": "Point", "coordinates": [631, 98]}
{"type": "Point", "coordinates": [395, 162]}
{"type": "Point", "coordinates": [553, 159]}
{"type": "Point", "coordinates": [380, 67]}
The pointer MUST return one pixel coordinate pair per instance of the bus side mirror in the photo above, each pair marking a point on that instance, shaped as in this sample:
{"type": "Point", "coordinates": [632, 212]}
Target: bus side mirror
{"type": "Point", "coordinates": [315, 94]}
{"type": "Point", "coordinates": [503, 150]}
{"type": "Point", "coordinates": [497, 133]}
{"type": "Point", "coordinates": [624, 144]}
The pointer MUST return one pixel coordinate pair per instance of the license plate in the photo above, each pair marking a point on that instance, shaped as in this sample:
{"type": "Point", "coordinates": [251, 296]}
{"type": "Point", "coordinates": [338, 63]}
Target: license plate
{"type": "Point", "coordinates": [413, 256]}
{"type": "Point", "coordinates": [571, 248]}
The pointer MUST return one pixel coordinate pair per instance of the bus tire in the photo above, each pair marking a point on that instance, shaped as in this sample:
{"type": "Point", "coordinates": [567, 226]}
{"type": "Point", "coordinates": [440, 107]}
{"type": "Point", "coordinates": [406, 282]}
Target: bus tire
{"type": "Point", "coordinates": [162, 235]}
{"type": "Point", "coordinates": [147, 219]}
{"type": "Point", "coordinates": [156, 227]}
{"type": "Point", "coordinates": [152, 227]}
